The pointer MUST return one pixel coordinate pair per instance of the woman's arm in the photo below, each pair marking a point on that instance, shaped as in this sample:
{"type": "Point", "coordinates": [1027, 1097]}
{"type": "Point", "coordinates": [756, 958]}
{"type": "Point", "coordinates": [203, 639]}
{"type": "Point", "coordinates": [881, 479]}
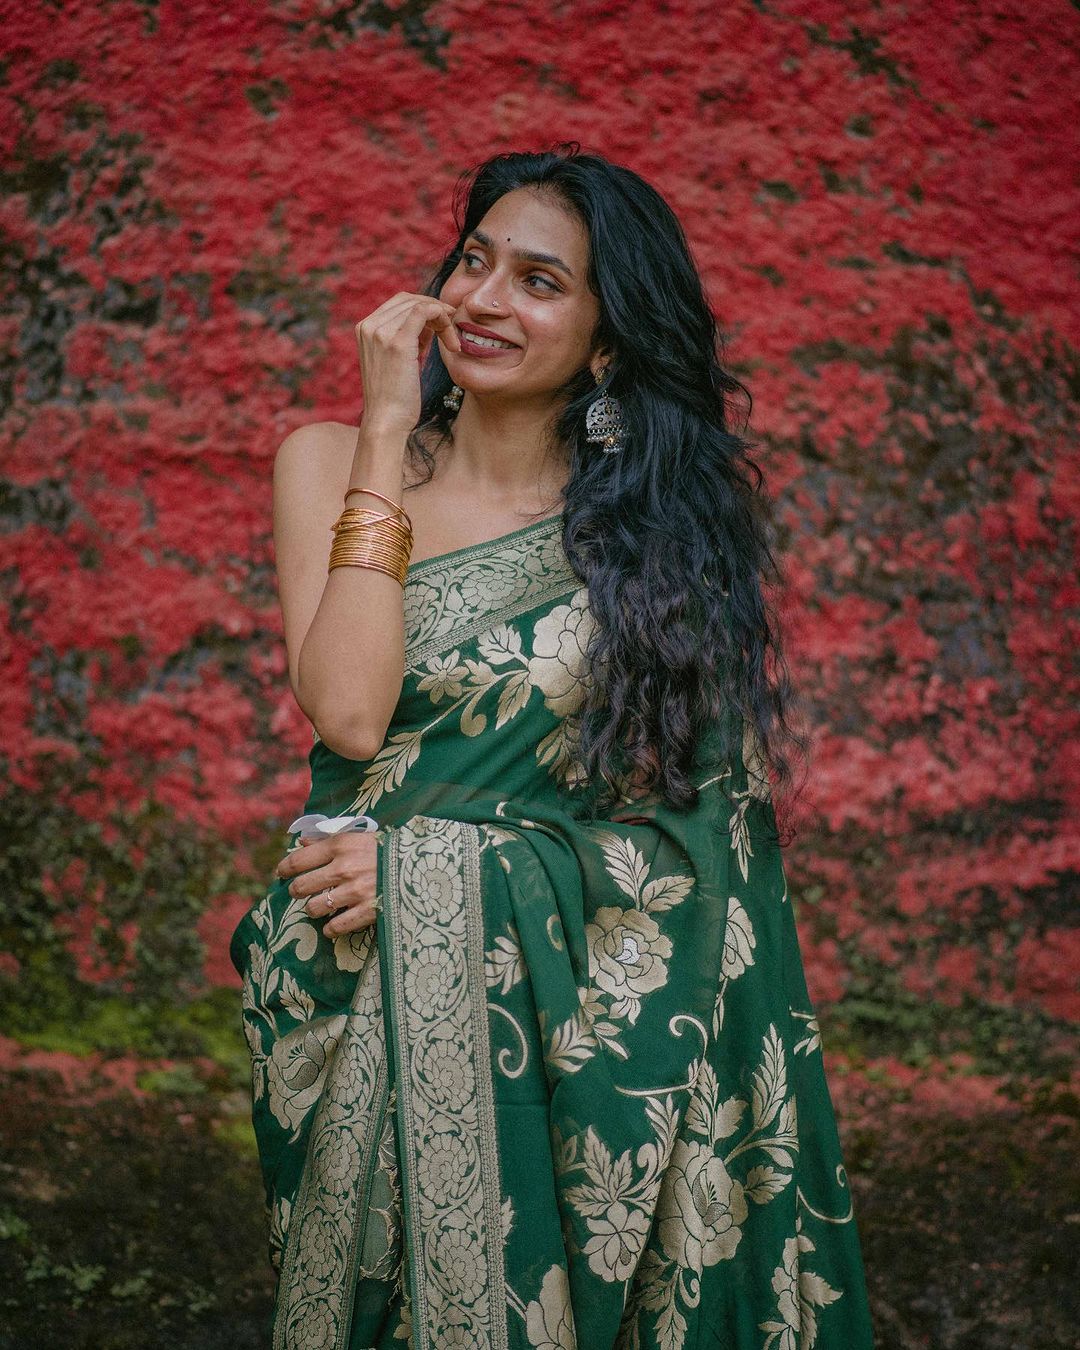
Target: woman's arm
{"type": "Point", "coordinates": [345, 631]}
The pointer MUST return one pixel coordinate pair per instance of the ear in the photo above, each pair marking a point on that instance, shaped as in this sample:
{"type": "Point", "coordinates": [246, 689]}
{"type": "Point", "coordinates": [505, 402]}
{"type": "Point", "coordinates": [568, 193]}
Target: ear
{"type": "Point", "coordinates": [599, 361]}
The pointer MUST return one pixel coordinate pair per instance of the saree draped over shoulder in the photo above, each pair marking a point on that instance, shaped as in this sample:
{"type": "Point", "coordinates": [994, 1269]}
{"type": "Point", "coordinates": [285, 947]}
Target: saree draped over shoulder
{"type": "Point", "coordinates": [567, 1092]}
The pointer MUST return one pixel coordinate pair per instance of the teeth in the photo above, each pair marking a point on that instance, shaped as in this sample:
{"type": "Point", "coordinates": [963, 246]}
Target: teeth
{"type": "Point", "coordinates": [486, 341]}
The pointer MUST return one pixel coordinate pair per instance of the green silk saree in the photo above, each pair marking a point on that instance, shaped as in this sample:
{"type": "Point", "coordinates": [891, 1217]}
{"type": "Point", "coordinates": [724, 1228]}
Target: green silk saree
{"type": "Point", "coordinates": [568, 1090]}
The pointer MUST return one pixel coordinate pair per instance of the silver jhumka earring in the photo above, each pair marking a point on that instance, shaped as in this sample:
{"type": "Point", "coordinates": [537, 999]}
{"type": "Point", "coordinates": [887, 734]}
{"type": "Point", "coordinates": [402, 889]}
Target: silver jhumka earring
{"type": "Point", "coordinates": [604, 423]}
{"type": "Point", "coordinates": [452, 400]}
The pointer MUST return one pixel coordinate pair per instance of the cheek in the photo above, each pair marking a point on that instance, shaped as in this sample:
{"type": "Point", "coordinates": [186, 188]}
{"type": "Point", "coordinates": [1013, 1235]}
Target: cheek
{"type": "Point", "coordinates": [557, 335]}
{"type": "Point", "coordinates": [454, 290]}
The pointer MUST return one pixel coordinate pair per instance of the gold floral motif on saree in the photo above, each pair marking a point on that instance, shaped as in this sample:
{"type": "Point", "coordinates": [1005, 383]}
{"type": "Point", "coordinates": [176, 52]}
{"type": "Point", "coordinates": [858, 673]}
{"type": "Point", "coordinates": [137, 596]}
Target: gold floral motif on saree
{"type": "Point", "coordinates": [456, 685]}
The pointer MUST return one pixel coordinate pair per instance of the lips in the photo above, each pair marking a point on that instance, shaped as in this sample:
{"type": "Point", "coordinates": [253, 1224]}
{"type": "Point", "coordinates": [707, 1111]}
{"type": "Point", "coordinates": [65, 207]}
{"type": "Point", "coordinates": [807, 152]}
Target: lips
{"type": "Point", "coordinates": [466, 334]}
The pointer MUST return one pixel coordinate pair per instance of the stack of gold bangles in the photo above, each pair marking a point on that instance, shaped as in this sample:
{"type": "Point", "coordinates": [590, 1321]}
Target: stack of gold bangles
{"type": "Point", "coordinates": [367, 538]}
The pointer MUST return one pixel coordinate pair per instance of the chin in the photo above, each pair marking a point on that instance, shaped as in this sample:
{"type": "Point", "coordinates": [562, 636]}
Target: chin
{"type": "Point", "coordinates": [478, 382]}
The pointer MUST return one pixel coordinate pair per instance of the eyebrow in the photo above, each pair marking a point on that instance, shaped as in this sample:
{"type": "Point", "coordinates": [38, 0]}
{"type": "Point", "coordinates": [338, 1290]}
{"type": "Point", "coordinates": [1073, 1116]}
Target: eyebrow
{"type": "Point", "coordinates": [526, 255]}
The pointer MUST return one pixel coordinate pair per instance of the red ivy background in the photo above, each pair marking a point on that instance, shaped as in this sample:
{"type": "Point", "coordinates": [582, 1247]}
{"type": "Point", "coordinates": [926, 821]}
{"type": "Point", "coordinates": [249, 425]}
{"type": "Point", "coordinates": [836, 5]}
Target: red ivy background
{"type": "Point", "coordinates": [201, 199]}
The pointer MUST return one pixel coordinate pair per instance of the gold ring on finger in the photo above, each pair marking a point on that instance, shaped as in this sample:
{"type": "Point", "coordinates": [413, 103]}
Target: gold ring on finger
{"type": "Point", "coordinates": [330, 900]}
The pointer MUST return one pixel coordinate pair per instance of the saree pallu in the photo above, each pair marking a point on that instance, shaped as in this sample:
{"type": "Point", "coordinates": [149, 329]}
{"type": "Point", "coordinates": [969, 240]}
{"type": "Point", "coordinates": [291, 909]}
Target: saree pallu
{"type": "Point", "coordinates": [567, 1092]}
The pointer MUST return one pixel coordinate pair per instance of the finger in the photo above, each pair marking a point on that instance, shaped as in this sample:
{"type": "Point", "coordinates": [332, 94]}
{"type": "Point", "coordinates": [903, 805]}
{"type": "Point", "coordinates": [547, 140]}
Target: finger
{"type": "Point", "coordinates": [393, 310]}
{"type": "Point", "coordinates": [315, 853]}
{"type": "Point", "coordinates": [445, 331]}
{"type": "Point", "coordinates": [324, 904]}
{"type": "Point", "coordinates": [448, 336]}
{"type": "Point", "coordinates": [412, 319]}
{"type": "Point", "coordinates": [345, 894]}
{"type": "Point", "coordinates": [406, 299]}
{"type": "Point", "coordinates": [435, 325]}
{"type": "Point", "coordinates": [319, 879]}
{"type": "Point", "coordinates": [351, 920]}
{"type": "Point", "coordinates": [401, 300]}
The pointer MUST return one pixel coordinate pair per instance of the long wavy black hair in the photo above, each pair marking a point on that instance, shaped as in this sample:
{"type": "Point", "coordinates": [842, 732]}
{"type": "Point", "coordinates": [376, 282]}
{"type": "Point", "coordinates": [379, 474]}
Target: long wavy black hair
{"type": "Point", "coordinates": [673, 535]}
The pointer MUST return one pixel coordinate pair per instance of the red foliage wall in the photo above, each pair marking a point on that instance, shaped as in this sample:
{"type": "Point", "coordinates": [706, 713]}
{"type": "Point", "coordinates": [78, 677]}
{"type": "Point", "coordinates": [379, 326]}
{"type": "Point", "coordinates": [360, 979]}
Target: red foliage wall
{"type": "Point", "coordinates": [201, 199]}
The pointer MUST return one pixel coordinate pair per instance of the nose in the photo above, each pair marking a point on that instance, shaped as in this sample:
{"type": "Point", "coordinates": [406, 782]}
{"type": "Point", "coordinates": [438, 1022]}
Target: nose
{"type": "Point", "coordinates": [488, 297]}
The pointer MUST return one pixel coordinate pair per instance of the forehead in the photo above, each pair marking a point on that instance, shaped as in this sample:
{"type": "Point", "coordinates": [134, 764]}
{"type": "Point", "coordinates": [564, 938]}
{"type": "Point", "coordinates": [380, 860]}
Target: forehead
{"type": "Point", "coordinates": [540, 222]}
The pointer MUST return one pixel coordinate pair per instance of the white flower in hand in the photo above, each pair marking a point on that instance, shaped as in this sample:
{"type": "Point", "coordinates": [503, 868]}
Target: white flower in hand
{"type": "Point", "coordinates": [319, 826]}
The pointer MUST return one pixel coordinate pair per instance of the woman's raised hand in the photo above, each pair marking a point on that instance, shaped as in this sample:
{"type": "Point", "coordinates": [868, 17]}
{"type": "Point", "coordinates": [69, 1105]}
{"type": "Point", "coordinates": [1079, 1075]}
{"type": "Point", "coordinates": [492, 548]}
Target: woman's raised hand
{"type": "Point", "coordinates": [343, 865]}
{"type": "Point", "coordinates": [393, 343]}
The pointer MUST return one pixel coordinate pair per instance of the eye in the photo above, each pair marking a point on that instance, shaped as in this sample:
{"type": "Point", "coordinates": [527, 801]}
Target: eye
{"type": "Point", "coordinates": [468, 258]}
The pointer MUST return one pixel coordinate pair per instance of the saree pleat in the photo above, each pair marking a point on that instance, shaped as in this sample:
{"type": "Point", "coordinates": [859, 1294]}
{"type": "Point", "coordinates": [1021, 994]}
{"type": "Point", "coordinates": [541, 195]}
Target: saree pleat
{"type": "Point", "coordinates": [567, 1092]}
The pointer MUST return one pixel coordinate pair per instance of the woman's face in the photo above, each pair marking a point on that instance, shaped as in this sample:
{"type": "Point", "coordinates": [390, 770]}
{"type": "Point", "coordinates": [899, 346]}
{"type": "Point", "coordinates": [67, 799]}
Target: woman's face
{"type": "Point", "coordinates": [542, 306]}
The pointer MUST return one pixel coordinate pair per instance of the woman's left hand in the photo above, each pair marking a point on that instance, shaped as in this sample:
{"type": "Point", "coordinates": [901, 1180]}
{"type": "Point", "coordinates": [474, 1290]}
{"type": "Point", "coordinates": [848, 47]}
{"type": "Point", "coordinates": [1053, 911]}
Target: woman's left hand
{"type": "Point", "coordinates": [341, 867]}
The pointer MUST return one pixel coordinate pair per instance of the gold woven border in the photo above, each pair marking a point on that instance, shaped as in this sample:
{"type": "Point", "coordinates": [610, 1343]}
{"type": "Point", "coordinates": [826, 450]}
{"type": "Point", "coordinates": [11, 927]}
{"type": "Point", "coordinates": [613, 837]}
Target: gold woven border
{"type": "Point", "coordinates": [445, 1091]}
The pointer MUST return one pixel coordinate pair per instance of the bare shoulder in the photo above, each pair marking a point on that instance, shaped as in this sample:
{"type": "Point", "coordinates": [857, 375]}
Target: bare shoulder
{"type": "Point", "coordinates": [311, 474]}
{"type": "Point", "coordinates": [319, 447]}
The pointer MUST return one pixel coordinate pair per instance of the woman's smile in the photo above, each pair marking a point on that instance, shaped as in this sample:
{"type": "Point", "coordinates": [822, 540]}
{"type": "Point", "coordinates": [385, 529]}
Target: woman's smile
{"type": "Point", "coordinates": [477, 344]}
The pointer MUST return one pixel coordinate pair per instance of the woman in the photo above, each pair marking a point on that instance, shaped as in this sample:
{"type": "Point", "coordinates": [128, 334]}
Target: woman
{"type": "Point", "coordinates": [534, 1064]}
